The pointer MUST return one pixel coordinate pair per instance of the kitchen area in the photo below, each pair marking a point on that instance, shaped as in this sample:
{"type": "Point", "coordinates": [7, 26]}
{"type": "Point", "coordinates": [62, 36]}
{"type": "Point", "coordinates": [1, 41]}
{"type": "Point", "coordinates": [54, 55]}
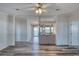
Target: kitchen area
{"type": "Point", "coordinates": [45, 33]}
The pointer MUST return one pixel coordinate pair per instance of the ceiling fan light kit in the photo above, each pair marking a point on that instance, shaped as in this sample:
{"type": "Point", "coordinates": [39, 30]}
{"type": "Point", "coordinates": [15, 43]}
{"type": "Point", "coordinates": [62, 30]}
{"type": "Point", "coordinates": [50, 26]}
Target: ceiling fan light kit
{"type": "Point", "coordinates": [39, 8]}
{"type": "Point", "coordinates": [39, 11]}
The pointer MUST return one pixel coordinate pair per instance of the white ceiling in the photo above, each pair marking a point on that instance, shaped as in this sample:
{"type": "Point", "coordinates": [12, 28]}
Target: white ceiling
{"type": "Point", "coordinates": [10, 8]}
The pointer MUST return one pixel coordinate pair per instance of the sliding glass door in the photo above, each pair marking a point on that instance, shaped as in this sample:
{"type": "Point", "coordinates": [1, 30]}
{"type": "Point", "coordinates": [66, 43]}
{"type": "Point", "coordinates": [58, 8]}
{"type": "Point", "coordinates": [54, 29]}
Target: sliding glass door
{"type": "Point", "coordinates": [74, 36]}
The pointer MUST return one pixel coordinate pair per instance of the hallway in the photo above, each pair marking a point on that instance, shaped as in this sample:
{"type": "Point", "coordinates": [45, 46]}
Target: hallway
{"type": "Point", "coordinates": [28, 49]}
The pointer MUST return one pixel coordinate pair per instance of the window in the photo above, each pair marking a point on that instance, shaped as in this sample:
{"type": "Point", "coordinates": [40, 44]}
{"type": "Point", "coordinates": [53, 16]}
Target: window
{"type": "Point", "coordinates": [36, 31]}
{"type": "Point", "coordinates": [41, 29]}
{"type": "Point", "coordinates": [52, 29]}
{"type": "Point", "coordinates": [47, 30]}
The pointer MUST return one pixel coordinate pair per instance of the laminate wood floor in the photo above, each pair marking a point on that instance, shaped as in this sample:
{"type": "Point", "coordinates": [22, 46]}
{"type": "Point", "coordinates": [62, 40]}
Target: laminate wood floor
{"type": "Point", "coordinates": [28, 49]}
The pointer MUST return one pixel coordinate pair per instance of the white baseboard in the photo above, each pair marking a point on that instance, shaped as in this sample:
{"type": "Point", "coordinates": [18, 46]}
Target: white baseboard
{"type": "Point", "coordinates": [1, 48]}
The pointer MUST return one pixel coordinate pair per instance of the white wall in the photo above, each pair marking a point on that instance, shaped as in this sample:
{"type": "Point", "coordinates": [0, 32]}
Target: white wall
{"type": "Point", "coordinates": [21, 29]}
{"type": "Point", "coordinates": [62, 29]}
{"type": "Point", "coordinates": [3, 31]}
{"type": "Point", "coordinates": [11, 30]}
{"type": "Point", "coordinates": [7, 30]}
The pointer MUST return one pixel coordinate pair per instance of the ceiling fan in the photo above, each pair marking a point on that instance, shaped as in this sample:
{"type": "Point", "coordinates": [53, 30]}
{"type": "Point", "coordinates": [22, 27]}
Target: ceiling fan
{"type": "Point", "coordinates": [39, 8]}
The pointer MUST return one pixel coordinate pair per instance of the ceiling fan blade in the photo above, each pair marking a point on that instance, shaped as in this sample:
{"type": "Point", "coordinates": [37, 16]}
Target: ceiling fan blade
{"type": "Point", "coordinates": [29, 9]}
{"type": "Point", "coordinates": [44, 6]}
{"type": "Point", "coordinates": [34, 7]}
{"type": "Point", "coordinates": [44, 10]}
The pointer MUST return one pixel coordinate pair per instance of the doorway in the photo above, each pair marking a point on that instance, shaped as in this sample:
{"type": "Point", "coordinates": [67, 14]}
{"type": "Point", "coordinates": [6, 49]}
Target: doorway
{"type": "Point", "coordinates": [35, 34]}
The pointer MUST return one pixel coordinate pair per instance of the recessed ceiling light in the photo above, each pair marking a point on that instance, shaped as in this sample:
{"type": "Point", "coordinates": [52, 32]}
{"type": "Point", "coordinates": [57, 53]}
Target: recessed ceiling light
{"type": "Point", "coordinates": [17, 9]}
{"type": "Point", "coordinates": [57, 9]}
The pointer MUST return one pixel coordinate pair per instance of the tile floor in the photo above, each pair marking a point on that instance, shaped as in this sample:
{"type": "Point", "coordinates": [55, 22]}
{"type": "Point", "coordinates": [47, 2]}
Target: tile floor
{"type": "Point", "coordinates": [28, 49]}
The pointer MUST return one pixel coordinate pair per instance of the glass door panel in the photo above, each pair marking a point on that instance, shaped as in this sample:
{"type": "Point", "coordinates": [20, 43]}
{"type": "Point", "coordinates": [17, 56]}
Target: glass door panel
{"type": "Point", "coordinates": [75, 30]}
